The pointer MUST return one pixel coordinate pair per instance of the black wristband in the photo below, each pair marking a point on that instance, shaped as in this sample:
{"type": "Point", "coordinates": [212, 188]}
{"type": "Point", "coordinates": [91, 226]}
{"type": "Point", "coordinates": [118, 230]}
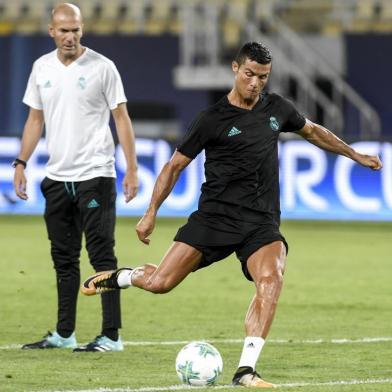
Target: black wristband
{"type": "Point", "coordinates": [18, 161]}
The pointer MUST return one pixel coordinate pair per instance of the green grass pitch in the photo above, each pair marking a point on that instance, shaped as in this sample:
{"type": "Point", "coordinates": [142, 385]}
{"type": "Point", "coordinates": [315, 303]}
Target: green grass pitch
{"type": "Point", "coordinates": [337, 286]}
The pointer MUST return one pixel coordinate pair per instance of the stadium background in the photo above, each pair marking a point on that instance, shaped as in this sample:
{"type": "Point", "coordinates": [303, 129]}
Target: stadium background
{"type": "Point", "coordinates": [332, 58]}
{"type": "Point", "coordinates": [332, 331]}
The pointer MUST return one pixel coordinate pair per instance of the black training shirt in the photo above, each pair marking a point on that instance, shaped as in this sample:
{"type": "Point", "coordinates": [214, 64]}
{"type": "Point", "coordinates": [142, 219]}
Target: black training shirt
{"type": "Point", "coordinates": [241, 167]}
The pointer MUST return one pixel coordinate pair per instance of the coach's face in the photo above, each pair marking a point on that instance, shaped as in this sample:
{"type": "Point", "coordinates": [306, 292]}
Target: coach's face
{"type": "Point", "coordinates": [67, 31]}
{"type": "Point", "coordinates": [250, 78]}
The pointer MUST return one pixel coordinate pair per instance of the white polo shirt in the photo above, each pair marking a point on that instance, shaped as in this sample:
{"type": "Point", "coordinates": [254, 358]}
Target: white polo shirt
{"type": "Point", "coordinates": [76, 101]}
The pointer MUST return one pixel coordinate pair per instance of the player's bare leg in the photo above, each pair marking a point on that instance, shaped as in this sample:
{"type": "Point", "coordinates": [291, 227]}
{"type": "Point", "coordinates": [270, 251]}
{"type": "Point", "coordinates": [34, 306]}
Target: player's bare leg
{"type": "Point", "coordinates": [266, 266]}
{"type": "Point", "coordinates": [180, 260]}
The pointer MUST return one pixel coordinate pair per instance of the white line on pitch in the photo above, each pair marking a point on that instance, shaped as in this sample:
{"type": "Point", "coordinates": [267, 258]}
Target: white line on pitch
{"type": "Point", "coordinates": [235, 341]}
{"type": "Point", "coordinates": [186, 387]}
{"type": "Point", "coordinates": [277, 341]}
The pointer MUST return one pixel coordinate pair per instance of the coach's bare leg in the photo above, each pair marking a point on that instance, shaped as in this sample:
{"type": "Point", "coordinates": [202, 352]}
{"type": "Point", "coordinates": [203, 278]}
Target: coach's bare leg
{"type": "Point", "coordinates": [180, 260]}
{"type": "Point", "coordinates": [266, 266]}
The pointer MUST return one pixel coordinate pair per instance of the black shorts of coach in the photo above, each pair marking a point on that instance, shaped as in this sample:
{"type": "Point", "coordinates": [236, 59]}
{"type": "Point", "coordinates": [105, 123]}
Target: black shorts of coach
{"type": "Point", "coordinates": [217, 237]}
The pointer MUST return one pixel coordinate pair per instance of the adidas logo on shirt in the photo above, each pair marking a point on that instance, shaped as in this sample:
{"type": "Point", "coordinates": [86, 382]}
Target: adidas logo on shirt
{"type": "Point", "coordinates": [93, 204]}
{"type": "Point", "coordinates": [233, 131]}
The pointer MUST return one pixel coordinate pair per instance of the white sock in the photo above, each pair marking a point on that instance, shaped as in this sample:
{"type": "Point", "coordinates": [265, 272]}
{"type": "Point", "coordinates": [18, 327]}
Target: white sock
{"type": "Point", "coordinates": [124, 278]}
{"type": "Point", "coordinates": [251, 351]}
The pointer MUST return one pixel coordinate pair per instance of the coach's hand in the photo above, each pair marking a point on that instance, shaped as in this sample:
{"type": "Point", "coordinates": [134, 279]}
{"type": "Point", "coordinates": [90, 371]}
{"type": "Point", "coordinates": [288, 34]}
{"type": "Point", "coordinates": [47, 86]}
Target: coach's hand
{"type": "Point", "coordinates": [20, 182]}
{"type": "Point", "coordinates": [145, 227]}
{"type": "Point", "coordinates": [130, 185]}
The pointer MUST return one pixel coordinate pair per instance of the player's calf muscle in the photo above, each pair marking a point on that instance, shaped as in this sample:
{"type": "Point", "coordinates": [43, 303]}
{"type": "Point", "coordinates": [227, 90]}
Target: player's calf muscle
{"type": "Point", "coordinates": [149, 279]}
{"type": "Point", "coordinates": [142, 275]}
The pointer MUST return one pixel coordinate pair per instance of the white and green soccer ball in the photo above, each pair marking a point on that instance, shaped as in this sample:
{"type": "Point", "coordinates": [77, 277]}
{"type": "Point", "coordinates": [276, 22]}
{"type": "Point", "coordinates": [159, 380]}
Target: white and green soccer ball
{"type": "Point", "coordinates": [199, 363]}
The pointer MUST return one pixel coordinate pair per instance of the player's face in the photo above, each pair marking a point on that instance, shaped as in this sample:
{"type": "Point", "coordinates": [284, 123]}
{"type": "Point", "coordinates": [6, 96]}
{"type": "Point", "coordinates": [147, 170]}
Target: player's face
{"type": "Point", "coordinates": [67, 32]}
{"type": "Point", "coordinates": [250, 78]}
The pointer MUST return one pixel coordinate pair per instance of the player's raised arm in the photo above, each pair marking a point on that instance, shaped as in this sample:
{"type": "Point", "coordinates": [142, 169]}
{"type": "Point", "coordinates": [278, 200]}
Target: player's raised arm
{"type": "Point", "coordinates": [163, 186]}
{"type": "Point", "coordinates": [325, 139]}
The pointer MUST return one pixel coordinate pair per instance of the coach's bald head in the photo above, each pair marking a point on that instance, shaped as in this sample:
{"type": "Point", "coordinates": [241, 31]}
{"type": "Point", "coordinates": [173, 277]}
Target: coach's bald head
{"type": "Point", "coordinates": [66, 10]}
{"type": "Point", "coordinates": [66, 28]}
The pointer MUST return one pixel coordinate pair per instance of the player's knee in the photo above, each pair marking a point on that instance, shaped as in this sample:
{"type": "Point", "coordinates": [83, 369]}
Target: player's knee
{"type": "Point", "coordinates": [271, 276]}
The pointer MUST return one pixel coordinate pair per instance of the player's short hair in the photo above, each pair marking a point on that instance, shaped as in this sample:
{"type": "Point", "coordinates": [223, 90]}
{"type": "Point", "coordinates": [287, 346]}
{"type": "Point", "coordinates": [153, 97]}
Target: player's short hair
{"type": "Point", "coordinates": [254, 51]}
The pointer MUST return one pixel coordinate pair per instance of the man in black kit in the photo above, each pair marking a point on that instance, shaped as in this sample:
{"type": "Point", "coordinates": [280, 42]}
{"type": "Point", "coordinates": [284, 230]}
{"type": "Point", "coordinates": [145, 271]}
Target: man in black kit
{"type": "Point", "coordinates": [239, 204]}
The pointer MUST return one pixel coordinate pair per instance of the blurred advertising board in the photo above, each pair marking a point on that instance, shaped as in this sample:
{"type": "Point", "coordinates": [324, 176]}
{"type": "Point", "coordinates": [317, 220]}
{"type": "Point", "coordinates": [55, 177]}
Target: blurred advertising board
{"type": "Point", "coordinates": [314, 184]}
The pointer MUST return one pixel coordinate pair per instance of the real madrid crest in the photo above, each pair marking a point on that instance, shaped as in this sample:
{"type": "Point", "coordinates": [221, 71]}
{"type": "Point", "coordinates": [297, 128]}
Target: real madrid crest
{"type": "Point", "coordinates": [274, 123]}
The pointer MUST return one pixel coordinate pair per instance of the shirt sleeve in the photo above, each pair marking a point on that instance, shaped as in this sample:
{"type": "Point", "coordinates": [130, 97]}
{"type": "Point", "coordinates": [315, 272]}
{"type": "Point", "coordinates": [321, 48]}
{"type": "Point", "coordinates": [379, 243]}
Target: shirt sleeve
{"type": "Point", "coordinates": [294, 120]}
{"type": "Point", "coordinates": [195, 138]}
{"type": "Point", "coordinates": [113, 88]}
{"type": "Point", "coordinates": [32, 95]}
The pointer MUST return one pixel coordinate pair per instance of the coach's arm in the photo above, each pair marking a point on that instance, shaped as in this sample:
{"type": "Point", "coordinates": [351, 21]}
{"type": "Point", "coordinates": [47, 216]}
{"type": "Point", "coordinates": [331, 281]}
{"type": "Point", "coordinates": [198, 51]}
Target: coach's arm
{"type": "Point", "coordinates": [32, 133]}
{"type": "Point", "coordinates": [163, 186]}
{"type": "Point", "coordinates": [126, 137]}
{"type": "Point", "coordinates": [325, 139]}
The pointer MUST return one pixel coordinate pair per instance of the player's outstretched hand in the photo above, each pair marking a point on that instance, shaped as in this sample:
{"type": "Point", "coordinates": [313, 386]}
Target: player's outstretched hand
{"type": "Point", "coordinates": [371, 161]}
{"type": "Point", "coordinates": [145, 227]}
{"type": "Point", "coordinates": [20, 182]}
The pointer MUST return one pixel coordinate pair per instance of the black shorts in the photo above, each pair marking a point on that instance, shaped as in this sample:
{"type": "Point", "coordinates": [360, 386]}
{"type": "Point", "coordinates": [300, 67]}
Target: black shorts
{"type": "Point", "coordinates": [217, 237]}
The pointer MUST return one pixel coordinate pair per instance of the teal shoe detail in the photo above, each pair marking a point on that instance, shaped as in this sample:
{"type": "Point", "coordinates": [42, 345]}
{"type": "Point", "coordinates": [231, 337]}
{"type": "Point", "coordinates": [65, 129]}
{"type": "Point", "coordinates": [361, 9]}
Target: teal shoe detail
{"type": "Point", "coordinates": [102, 344]}
{"type": "Point", "coordinates": [53, 340]}
{"type": "Point", "coordinates": [58, 341]}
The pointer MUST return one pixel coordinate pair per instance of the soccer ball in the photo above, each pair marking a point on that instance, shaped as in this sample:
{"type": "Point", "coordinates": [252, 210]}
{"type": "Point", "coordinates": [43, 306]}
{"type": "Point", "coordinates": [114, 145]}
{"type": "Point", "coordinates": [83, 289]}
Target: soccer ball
{"type": "Point", "coordinates": [199, 363]}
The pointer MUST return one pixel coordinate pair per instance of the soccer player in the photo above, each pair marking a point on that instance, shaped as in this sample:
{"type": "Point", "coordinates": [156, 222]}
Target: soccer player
{"type": "Point", "coordinates": [239, 203]}
{"type": "Point", "coordinates": [72, 90]}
